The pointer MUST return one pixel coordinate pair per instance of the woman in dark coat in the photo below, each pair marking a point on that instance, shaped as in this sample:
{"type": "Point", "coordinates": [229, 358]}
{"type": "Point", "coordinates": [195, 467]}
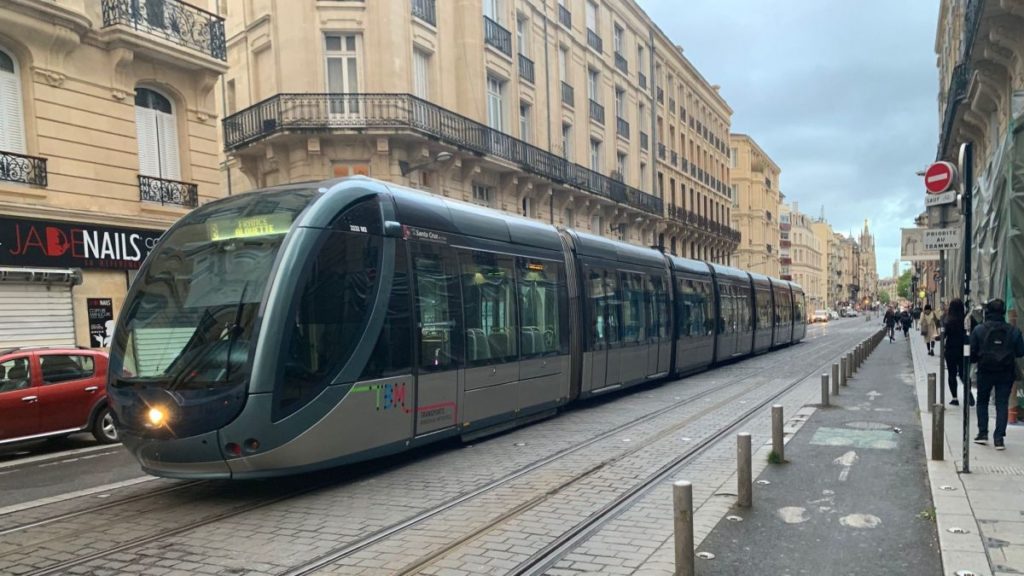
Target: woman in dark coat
{"type": "Point", "coordinates": [954, 337]}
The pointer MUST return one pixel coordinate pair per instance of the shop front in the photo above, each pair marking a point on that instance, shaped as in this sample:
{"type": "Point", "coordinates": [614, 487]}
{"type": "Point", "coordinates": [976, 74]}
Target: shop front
{"type": "Point", "coordinates": [62, 283]}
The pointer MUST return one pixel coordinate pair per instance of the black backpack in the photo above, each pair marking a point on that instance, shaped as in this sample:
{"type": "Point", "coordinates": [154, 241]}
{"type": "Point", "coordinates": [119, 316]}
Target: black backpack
{"type": "Point", "coordinates": [996, 354]}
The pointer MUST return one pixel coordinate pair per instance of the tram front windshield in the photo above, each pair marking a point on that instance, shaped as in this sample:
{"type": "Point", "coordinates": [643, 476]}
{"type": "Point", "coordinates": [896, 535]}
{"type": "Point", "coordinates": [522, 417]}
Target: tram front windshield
{"type": "Point", "coordinates": [189, 326]}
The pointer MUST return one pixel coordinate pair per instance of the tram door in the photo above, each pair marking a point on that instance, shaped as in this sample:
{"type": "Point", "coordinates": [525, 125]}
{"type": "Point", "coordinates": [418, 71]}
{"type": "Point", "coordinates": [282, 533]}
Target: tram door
{"type": "Point", "coordinates": [438, 337]}
{"type": "Point", "coordinates": [603, 314]}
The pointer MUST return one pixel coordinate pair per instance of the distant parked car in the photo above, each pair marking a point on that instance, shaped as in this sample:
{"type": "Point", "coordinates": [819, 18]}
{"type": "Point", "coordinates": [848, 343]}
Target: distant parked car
{"type": "Point", "coordinates": [54, 392]}
{"type": "Point", "coordinates": [832, 314]}
{"type": "Point", "coordinates": [851, 313]}
{"type": "Point", "coordinates": [819, 316]}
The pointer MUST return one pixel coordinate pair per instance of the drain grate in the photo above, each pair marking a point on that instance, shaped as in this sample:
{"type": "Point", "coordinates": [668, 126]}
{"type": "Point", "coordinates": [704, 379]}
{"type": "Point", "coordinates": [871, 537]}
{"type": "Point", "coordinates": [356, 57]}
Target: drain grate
{"type": "Point", "coordinates": [1007, 470]}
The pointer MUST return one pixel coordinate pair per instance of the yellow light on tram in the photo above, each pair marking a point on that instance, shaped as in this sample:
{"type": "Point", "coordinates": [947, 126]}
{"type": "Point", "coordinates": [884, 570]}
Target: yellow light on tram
{"type": "Point", "coordinates": [156, 416]}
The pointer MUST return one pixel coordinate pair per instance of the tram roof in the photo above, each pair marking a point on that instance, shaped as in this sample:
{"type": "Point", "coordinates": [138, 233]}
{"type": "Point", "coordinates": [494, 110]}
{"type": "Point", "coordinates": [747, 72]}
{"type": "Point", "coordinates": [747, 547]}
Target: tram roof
{"type": "Point", "coordinates": [760, 279]}
{"type": "Point", "coordinates": [687, 265]}
{"type": "Point", "coordinates": [608, 249]}
{"type": "Point", "coordinates": [730, 272]}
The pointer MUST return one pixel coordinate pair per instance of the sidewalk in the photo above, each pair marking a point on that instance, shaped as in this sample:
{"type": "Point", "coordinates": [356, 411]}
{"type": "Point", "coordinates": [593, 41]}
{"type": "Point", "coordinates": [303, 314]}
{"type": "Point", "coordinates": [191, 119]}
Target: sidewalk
{"type": "Point", "coordinates": [989, 501]}
{"type": "Point", "coordinates": [851, 498]}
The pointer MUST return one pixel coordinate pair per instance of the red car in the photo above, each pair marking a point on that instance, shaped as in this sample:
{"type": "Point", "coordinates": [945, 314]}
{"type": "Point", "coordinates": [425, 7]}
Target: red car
{"type": "Point", "coordinates": [54, 392]}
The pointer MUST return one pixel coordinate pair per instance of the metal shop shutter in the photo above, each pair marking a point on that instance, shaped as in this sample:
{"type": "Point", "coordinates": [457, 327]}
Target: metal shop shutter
{"type": "Point", "coordinates": [36, 315]}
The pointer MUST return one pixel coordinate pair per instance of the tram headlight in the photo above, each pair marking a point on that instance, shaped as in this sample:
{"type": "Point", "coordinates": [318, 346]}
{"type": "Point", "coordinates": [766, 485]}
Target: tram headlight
{"type": "Point", "coordinates": [156, 416]}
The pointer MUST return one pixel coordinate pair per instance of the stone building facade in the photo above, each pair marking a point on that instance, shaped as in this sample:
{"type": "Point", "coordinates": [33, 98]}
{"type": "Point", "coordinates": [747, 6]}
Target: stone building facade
{"type": "Point", "coordinates": [756, 200]}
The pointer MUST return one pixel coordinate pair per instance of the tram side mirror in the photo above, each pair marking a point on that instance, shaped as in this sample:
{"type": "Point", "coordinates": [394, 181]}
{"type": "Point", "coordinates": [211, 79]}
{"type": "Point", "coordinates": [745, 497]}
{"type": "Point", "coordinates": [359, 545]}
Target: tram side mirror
{"type": "Point", "coordinates": [392, 229]}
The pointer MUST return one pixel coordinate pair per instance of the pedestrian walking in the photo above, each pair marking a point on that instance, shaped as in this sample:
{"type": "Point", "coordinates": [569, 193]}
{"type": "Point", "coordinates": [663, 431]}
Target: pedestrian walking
{"type": "Point", "coordinates": [905, 321]}
{"type": "Point", "coordinates": [929, 328]}
{"type": "Point", "coordinates": [890, 323]}
{"type": "Point", "coordinates": [994, 346]}
{"type": "Point", "coordinates": [955, 336]}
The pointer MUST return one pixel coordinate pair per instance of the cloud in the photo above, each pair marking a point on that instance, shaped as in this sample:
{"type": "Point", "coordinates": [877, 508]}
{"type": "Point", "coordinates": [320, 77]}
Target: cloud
{"type": "Point", "coordinates": [841, 94]}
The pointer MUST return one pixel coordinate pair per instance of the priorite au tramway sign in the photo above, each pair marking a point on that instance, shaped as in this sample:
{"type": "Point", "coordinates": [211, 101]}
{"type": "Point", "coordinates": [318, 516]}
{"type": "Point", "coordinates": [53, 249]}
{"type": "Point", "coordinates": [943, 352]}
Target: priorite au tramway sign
{"type": "Point", "coordinates": [942, 239]}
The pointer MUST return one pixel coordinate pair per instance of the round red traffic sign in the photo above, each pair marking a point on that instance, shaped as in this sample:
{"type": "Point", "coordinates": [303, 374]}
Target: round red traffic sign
{"type": "Point", "coordinates": [939, 177]}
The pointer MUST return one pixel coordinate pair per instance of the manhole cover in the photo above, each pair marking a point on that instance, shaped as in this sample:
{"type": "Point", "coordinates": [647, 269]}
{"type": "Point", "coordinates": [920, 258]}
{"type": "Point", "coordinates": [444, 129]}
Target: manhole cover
{"type": "Point", "coordinates": [868, 425]}
{"type": "Point", "coordinates": [705, 555]}
{"type": "Point", "coordinates": [957, 530]}
{"type": "Point", "coordinates": [733, 518]}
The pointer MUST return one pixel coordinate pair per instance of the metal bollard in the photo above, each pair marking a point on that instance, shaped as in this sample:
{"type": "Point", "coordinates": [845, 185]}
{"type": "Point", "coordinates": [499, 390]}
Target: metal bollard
{"type": "Point", "coordinates": [849, 367]}
{"type": "Point", "coordinates": [938, 431]}
{"type": "Point", "coordinates": [745, 484]}
{"type": "Point", "coordinates": [931, 390]}
{"type": "Point", "coordinates": [778, 446]}
{"type": "Point", "coordinates": [835, 374]}
{"type": "Point", "coordinates": [842, 371]}
{"type": "Point", "coordinates": [824, 389]}
{"type": "Point", "coordinates": [942, 373]}
{"type": "Point", "coordinates": [835, 385]}
{"type": "Point", "coordinates": [682, 501]}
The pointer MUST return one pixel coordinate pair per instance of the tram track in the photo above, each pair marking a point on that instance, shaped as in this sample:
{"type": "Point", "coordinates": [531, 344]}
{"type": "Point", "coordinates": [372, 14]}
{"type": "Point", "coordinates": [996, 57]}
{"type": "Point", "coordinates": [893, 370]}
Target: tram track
{"type": "Point", "coordinates": [384, 533]}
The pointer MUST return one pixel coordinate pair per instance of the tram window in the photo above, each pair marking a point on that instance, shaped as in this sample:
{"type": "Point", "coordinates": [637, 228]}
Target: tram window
{"type": "Point", "coordinates": [799, 316]}
{"type": "Point", "coordinates": [633, 316]}
{"type": "Point", "coordinates": [437, 306]}
{"type": "Point", "coordinates": [603, 306]}
{"type": "Point", "coordinates": [392, 355]}
{"type": "Point", "coordinates": [330, 314]}
{"type": "Point", "coordinates": [694, 317]}
{"type": "Point", "coordinates": [489, 308]}
{"type": "Point", "coordinates": [743, 307]}
{"type": "Point", "coordinates": [541, 305]}
{"type": "Point", "coordinates": [658, 306]}
{"type": "Point", "coordinates": [764, 309]}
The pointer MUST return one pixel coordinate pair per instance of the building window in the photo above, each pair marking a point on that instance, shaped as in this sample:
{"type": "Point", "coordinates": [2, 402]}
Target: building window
{"type": "Point", "coordinates": [342, 61]}
{"type": "Point", "coordinates": [642, 117]}
{"type": "Point", "coordinates": [643, 174]}
{"type": "Point", "coordinates": [594, 85]}
{"type": "Point", "coordinates": [492, 9]}
{"type": "Point", "coordinates": [620, 103]}
{"type": "Point", "coordinates": [421, 73]}
{"type": "Point", "coordinates": [12, 118]}
{"type": "Point", "coordinates": [617, 37]}
{"type": "Point", "coordinates": [563, 64]}
{"type": "Point", "coordinates": [621, 162]}
{"type": "Point", "coordinates": [591, 16]}
{"type": "Point", "coordinates": [528, 208]}
{"type": "Point", "coordinates": [482, 194]}
{"type": "Point", "coordinates": [157, 131]}
{"type": "Point", "coordinates": [230, 99]}
{"type": "Point", "coordinates": [732, 157]}
{"type": "Point", "coordinates": [595, 155]}
{"type": "Point", "coordinates": [522, 44]}
{"type": "Point", "coordinates": [566, 141]}
{"type": "Point", "coordinates": [524, 121]}
{"type": "Point", "coordinates": [569, 218]}
{"type": "Point", "coordinates": [495, 103]}
{"type": "Point", "coordinates": [640, 58]}
{"type": "Point", "coordinates": [597, 225]}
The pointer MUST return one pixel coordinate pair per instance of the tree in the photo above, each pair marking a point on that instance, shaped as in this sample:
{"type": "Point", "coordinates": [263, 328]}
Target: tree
{"type": "Point", "coordinates": [903, 285]}
{"type": "Point", "coordinates": [884, 298]}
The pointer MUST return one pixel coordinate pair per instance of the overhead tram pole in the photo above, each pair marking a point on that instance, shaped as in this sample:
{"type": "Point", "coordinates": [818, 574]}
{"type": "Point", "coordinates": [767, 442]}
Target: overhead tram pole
{"type": "Point", "coordinates": [966, 161]}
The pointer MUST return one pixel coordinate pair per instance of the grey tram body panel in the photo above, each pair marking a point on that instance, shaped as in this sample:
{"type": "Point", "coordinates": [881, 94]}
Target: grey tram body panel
{"type": "Point", "coordinates": [584, 315]}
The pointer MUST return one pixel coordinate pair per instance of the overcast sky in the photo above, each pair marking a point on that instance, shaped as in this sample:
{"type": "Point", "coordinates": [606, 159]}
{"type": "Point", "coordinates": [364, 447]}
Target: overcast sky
{"type": "Point", "coordinates": [840, 93]}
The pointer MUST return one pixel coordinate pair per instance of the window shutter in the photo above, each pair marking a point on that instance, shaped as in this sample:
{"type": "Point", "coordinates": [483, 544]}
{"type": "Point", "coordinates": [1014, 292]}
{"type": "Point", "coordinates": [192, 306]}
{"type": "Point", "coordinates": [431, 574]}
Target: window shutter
{"type": "Point", "coordinates": [145, 129]}
{"type": "Point", "coordinates": [12, 126]}
{"type": "Point", "coordinates": [167, 129]}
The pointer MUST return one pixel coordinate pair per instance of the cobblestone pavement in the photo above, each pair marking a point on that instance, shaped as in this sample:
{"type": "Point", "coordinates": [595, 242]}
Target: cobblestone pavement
{"type": "Point", "coordinates": [275, 538]}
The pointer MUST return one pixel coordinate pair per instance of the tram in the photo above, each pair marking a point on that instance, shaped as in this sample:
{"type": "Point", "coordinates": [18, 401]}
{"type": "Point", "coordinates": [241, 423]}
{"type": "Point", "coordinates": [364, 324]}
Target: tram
{"type": "Point", "coordinates": [309, 325]}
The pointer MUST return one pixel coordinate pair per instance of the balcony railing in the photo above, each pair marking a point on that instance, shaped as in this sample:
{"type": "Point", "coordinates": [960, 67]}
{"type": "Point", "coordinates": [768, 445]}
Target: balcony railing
{"type": "Point", "coordinates": [644, 144]}
{"type": "Point", "coordinates": [496, 35]}
{"type": "Point", "coordinates": [168, 192]}
{"type": "Point", "coordinates": [621, 63]}
{"type": "Point", "coordinates": [594, 41]}
{"type": "Point", "coordinates": [526, 68]}
{"type": "Point", "coordinates": [661, 151]}
{"type": "Point", "coordinates": [596, 112]}
{"type": "Point", "coordinates": [564, 16]}
{"type": "Point", "coordinates": [568, 97]}
{"type": "Point", "coordinates": [622, 128]}
{"type": "Point", "coordinates": [684, 216]}
{"type": "Point", "coordinates": [327, 113]}
{"type": "Point", "coordinates": [643, 81]}
{"type": "Point", "coordinates": [173, 20]}
{"type": "Point", "coordinates": [21, 168]}
{"type": "Point", "coordinates": [424, 10]}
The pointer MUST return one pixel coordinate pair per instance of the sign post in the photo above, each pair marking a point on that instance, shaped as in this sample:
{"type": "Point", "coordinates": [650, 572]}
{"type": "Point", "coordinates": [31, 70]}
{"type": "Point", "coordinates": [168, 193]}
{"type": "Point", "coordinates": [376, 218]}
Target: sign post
{"type": "Point", "coordinates": [966, 160]}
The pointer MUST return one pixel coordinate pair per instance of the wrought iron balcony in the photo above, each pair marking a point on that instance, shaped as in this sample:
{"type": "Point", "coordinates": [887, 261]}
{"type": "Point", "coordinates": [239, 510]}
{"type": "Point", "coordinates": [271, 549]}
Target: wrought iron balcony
{"type": "Point", "coordinates": [661, 151]}
{"type": "Point", "coordinates": [596, 112]}
{"type": "Point", "coordinates": [644, 144]}
{"type": "Point", "coordinates": [694, 220]}
{"type": "Point", "coordinates": [594, 41]}
{"type": "Point", "coordinates": [496, 35]}
{"type": "Point", "coordinates": [173, 20]}
{"type": "Point", "coordinates": [21, 168]}
{"type": "Point", "coordinates": [643, 81]}
{"type": "Point", "coordinates": [356, 113]}
{"type": "Point", "coordinates": [568, 97]}
{"type": "Point", "coordinates": [168, 192]}
{"type": "Point", "coordinates": [622, 128]}
{"type": "Point", "coordinates": [425, 10]}
{"type": "Point", "coordinates": [564, 16]}
{"type": "Point", "coordinates": [526, 68]}
{"type": "Point", "coordinates": [621, 63]}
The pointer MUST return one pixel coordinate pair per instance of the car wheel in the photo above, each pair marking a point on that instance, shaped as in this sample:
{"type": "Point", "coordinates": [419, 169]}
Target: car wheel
{"type": "Point", "coordinates": [103, 428]}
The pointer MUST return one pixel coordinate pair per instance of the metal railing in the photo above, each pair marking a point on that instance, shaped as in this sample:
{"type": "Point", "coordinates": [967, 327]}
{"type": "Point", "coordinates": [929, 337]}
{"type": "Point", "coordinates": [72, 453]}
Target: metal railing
{"type": "Point", "coordinates": [568, 96]}
{"type": "Point", "coordinates": [644, 141]}
{"type": "Point", "coordinates": [622, 127]}
{"type": "Point", "coordinates": [596, 112]}
{"type": "Point", "coordinates": [22, 168]}
{"type": "Point", "coordinates": [174, 20]}
{"type": "Point", "coordinates": [564, 16]}
{"type": "Point", "coordinates": [621, 63]}
{"type": "Point", "coordinates": [425, 10]}
{"type": "Point", "coordinates": [684, 216]}
{"type": "Point", "coordinates": [526, 68]}
{"type": "Point", "coordinates": [594, 41]}
{"type": "Point", "coordinates": [496, 35]}
{"type": "Point", "coordinates": [165, 191]}
{"type": "Point", "coordinates": [309, 113]}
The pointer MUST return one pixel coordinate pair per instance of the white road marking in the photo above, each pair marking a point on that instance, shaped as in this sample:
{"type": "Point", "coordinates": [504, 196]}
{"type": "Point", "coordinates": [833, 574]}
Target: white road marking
{"type": "Point", "coordinates": [846, 461]}
{"type": "Point", "coordinates": [71, 495]}
{"type": "Point", "coordinates": [872, 395]}
{"type": "Point", "coordinates": [861, 521]}
{"type": "Point", "coordinates": [45, 457]}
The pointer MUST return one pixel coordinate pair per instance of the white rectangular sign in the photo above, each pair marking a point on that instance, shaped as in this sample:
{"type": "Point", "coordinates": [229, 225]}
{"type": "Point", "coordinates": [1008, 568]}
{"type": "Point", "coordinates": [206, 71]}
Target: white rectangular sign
{"type": "Point", "coordinates": [912, 246]}
{"type": "Point", "coordinates": [948, 197]}
{"type": "Point", "coordinates": [942, 239]}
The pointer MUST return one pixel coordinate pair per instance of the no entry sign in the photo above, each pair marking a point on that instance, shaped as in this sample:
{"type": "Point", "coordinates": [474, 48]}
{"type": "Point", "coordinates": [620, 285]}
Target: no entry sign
{"type": "Point", "coordinates": [939, 177]}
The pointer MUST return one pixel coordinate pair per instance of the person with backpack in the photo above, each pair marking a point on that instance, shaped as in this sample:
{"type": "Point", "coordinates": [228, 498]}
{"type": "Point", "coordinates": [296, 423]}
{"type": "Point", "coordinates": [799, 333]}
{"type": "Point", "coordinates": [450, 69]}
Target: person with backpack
{"type": "Point", "coordinates": [929, 328]}
{"type": "Point", "coordinates": [890, 323]}
{"type": "Point", "coordinates": [995, 345]}
{"type": "Point", "coordinates": [905, 321]}
{"type": "Point", "coordinates": [955, 336]}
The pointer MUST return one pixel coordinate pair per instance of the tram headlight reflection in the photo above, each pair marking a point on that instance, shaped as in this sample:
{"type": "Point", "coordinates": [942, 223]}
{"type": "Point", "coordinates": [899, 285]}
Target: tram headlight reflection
{"type": "Point", "coordinates": [156, 416]}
